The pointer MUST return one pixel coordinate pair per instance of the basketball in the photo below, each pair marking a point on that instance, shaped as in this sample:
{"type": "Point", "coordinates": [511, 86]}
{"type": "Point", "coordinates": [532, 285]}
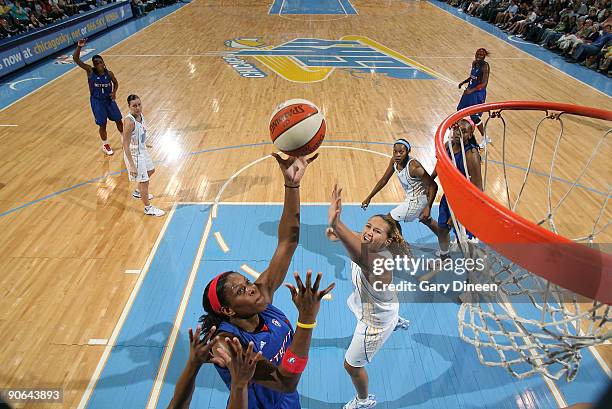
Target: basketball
{"type": "Point", "coordinates": [297, 127]}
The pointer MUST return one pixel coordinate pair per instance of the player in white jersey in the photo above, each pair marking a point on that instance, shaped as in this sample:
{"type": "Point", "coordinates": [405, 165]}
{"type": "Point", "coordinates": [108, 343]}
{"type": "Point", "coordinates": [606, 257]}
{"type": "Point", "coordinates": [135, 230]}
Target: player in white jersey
{"type": "Point", "coordinates": [376, 308]}
{"type": "Point", "coordinates": [420, 188]}
{"type": "Point", "coordinates": [137, 159]}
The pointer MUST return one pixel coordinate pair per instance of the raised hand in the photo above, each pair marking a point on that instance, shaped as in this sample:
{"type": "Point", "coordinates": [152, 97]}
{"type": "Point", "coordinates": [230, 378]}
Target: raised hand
{"type": "Point", "coordinates": [293, 168]}
{"type": "Point", "coordinates": [365, 203]}
{"type": "Point", "coordinates": [240, 363]}
{"type": "Point", "coordinates": [81, 42]}
{"type": "Point", "coordinates": [307, 298]}
{"type": "Point", "coordinates": [335, 206]}
{"type": "Point", "coordinates": [200, 350]}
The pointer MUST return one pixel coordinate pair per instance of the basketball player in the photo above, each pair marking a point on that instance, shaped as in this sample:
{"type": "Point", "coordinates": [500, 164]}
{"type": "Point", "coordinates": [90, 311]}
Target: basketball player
{"type": "Point", "coordinates": [136, 156]}
{"type": "Point", "coordinates": [462, 130]}
{"type": "Point", "coordinates": [103, 89]}
{"type": "Point", "coordinates": [376, 309]}
{"type": "Point", "coordinates": [240, 308]}
{"type": "Point", "coordinates": [419, 187]}
{"type": "Point", "coordinates": [476, 91]}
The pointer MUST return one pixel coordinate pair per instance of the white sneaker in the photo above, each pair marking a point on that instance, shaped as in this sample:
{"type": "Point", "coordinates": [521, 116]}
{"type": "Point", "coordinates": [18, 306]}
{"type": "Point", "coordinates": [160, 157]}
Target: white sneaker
{"type": "Point", "coordinates": [484, 143]}
{"type": "Point", "coordinates": [402, 323]}
{"type": "Point", "coordinates": [153, 211]}
{"type": "Point", "coordinates": [136, 195]}
{"type": "Point", "coordinates": [107, 149]}
{"type": "Point", "coordinates": [370, 402]}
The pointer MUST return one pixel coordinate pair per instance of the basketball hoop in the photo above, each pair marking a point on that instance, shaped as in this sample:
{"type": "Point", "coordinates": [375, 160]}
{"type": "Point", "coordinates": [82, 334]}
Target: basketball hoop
{"type": "Point", "coordinates": [550, 273]}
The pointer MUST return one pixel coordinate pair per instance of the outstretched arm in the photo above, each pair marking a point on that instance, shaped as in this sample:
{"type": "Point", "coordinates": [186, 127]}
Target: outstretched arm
{"type": "Point", "coordinates": [349, 238]}
{"type": "Point", "coordinates": [379, 185]}
{"type": "Point", "coordinates": [472, 158]}
{"type": "Point", "coordinates": [77, 57]}
{"type": "Point", "coordinates": [289, 227]}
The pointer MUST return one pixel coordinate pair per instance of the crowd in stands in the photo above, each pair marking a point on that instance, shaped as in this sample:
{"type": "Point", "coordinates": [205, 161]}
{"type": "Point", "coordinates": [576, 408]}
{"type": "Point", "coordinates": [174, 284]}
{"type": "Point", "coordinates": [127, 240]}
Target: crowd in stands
{"type": "Point", "coordinates": [578, 30]}
{"type": "Point", "coordinates": [21, 16]}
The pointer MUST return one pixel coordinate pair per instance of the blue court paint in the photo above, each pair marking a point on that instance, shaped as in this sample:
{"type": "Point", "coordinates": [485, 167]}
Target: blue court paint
{"type": "Point", "coordinates": [427, 366]}
{"type": "Point", "coordinates": [29, 79]}
{"type": "Point", "coordinates": [306, 7]}
{"type": "Point", "coordinates": [587, 76]}
{"type": "Point", "coordinates": [52, 195]}
{"type": "Point", "coordinates": [128, 376]}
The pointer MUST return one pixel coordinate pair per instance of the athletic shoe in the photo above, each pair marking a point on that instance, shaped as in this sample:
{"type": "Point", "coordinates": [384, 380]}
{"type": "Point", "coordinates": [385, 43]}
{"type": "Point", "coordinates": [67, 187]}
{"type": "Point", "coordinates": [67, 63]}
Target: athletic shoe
{"type": "Point", "coordinates": [153, 211]}
{"type": "Point", "coordinates": [485, 141]}
{"type": "Point", "coordinates": [107, 149]}
{"type": "Point", "coordinates": [136, 195]}
{"type": "Point", "coordinates": [402, 323]}
{"type": "Point", "coordinates": [369, 402]}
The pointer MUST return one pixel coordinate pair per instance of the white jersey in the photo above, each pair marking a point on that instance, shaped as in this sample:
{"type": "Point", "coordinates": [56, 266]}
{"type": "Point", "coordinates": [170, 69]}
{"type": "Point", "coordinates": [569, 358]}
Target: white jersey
{"type": "Point", "coordinates": [139, 136]}
{"type": "Point", "coordinates": [375, 308]}
{"type": "Point", "coordinates": [414, 187]}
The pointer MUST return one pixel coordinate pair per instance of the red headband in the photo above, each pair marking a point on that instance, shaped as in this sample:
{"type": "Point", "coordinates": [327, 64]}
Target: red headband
{"type": "Point", "coordinates": [212, 295]}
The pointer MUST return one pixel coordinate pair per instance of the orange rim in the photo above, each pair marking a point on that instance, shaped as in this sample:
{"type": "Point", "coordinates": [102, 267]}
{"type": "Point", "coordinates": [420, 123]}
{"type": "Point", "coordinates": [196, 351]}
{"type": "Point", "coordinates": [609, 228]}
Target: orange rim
{"type": "Point", "coordinates": [570, 265]}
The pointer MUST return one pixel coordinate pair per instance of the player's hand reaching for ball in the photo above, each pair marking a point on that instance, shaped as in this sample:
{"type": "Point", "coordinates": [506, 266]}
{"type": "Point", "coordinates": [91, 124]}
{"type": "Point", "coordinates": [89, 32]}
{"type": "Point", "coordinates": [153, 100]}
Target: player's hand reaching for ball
{"type": "Point", "coordinates": [335, 206]}
{"type": "Point", "coordinates": [307, 298]}
{"type": "Point", "coordinates": [293, 168]}
{"type": "Point", "coordinates": [240, 363]}
{"type": "Point", "coordinates": [365, 203]}
{"type": "Point", "coordinates": [200, 350]}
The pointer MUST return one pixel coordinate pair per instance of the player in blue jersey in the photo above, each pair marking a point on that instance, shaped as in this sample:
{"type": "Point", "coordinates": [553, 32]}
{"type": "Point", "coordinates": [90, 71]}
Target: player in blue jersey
{"type": "Point", "coordinates": [103, 90]}
{"type": "Point", "coordinates": [462, 130]}
{"type": "Point", "coordinates": [476, 91]}
{"type": "Point", "coordinates": [237, 307]}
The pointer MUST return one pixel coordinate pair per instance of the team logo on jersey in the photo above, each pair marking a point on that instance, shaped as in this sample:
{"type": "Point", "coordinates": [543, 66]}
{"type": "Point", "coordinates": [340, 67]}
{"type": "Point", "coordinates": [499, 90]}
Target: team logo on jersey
{"type": "Point", "coordinates": [308, 60]}
{"type": "Point", "coordinates": [275, 322]}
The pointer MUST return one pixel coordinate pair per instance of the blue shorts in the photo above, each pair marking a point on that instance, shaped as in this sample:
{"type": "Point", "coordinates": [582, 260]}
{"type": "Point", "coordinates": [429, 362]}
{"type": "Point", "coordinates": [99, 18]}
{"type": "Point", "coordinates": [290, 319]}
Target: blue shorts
{"type": "Point", "coordinates": [104, 109]}
{"type": "Point", "coordinates": [444, 217]}
{"type": "Point", "coordinates": [475, 98]}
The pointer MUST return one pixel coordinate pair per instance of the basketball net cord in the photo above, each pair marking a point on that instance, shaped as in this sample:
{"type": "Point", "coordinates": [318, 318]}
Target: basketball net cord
{"type": "Point", "coordinates": [544, 331]}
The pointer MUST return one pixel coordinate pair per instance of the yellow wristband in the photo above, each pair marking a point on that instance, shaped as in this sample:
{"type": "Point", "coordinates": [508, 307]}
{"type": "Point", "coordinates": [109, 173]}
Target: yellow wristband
{"type": "Point", "coordinates": [307, 326]}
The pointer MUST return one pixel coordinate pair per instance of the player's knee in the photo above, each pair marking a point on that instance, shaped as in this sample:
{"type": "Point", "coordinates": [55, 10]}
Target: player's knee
{"type": "Point", "coordinates": [150, 172]}
{"type": "Point", "coordinates": [353, 371]}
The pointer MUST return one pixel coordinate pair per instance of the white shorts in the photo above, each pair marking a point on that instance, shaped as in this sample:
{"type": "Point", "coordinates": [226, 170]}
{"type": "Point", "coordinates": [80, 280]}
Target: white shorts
{"type": "Point", "coordinates": [367, 340]}
{"type": "Point", "coordinates": [410, 209]}
{"type": "Point", "coordinates": [143, 163]}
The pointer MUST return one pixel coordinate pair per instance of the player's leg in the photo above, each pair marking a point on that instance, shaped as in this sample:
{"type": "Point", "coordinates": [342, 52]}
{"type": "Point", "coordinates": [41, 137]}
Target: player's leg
{"type": "Point", "coordinates": [444, 228]}
{"type": "Point", "coordinates": [114, 114]}
{"type": "Point", "coordinates": [99, 112]}
{"type": "Point", "coordinates": [149, 169]}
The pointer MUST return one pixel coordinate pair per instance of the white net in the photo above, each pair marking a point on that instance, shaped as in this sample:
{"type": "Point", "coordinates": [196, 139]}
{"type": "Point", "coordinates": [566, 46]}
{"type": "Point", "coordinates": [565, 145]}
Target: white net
{"type": "Point", "coordinates": [557, 174]}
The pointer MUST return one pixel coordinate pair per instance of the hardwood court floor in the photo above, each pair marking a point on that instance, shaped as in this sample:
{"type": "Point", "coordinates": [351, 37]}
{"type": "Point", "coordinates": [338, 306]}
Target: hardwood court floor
{"type": "Point", "coordinates": [63, 259]}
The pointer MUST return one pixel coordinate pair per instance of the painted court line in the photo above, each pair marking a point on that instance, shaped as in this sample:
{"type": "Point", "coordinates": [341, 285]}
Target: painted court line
{"type": "Point", "coordinates": [221, 242]}
{"type": "Point", "coordinates": [97, 341]}
{"type": "Point", "coordinates": [124, 314]}
{"type": "Point", "coordinates": [132, 271]}
{"type": "Point", "coordinates": [161, 374]}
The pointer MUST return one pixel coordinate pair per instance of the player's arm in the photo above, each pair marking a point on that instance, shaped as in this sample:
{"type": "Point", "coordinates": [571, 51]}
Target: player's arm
{"type": "Point", "coordinates": [128, 128]}
{"type": "Point", "coordinates": [288, 228]}
{"type": "Point", "coordinates": [349, 238]}
{"type": "Point", "coordinates": [472, 159]}
{"type": "Point", "coordinates": [417, 170]}
{"type": "Point", "coordinates": [115, 84]}
{"type": "Point", "coordinates": [77, 57]}
{"type": "Point", "coordinates": [379, 185]}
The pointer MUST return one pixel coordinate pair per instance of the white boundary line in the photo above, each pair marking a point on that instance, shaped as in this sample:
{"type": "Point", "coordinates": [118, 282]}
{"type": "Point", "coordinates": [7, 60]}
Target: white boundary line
{"type": "Point", "coordinates": [161, 373]}
{"type": "Point", "coordinates": [75, 67]}
{"type": "Point", "coordinates": [9, 125]}
{"type": "Point", "coordinates": [221, 242]}
{"type": "Point", "coordinates": [524, 52]}
{"type": "Point", "coordinates": [343, 8]}
{"type": "Point", "coordinates": [124, 314]}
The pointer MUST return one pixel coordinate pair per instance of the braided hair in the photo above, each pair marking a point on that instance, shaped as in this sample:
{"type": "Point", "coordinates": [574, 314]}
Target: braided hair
{"type": "Point", "coordinates": [210, 318]}
{"type": "Point", "coordinates": [398, 246]}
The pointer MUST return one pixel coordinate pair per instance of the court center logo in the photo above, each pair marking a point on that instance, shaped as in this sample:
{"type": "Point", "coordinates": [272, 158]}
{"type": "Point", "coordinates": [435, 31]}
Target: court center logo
{"type": "Point", "coordinates": [308, 60]}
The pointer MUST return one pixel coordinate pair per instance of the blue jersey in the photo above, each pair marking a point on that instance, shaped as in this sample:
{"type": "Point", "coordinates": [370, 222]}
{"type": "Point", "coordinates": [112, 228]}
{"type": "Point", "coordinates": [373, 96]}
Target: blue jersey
{"type": "Point", "coordinates": [459, 156]}
{"type": "Point", "coordinates": [272, 340]}
{"type": "Point", "coordinates": [476, 75]}
{"type": "Point", "coordinates": [100, 86]}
